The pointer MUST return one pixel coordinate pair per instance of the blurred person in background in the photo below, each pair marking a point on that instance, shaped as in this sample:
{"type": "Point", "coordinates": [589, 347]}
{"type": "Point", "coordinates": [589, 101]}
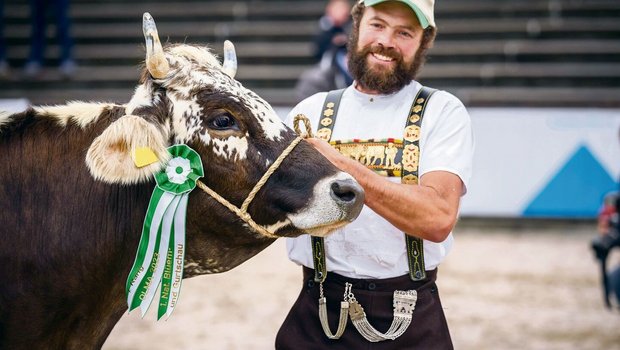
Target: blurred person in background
{"type": "Point", "coordinates": [608, 227]}
{"type": "Point", "coordinates": [38, 17]}
{"type": "Point", "coordinates": [608, 239]}
{"type": "Point", "coordinates": [333, 27]}
{"type": "Point", "coordinates": [411, 149]}
{"type": "Point", "coordinates": [330, 49]}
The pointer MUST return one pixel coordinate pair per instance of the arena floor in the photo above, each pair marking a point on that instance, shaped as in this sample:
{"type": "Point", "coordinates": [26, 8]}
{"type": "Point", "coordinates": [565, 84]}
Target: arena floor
{"type": "Point", "coordinates": [501, 289]}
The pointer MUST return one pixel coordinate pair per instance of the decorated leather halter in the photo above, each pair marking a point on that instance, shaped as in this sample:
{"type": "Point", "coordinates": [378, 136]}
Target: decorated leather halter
{"type": "Point", "coordinates": [404, 301]}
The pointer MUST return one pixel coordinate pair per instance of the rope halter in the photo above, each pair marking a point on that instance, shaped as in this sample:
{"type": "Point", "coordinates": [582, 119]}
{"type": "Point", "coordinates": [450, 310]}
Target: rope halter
{"type": "Point", "coordinates": [242, 212]}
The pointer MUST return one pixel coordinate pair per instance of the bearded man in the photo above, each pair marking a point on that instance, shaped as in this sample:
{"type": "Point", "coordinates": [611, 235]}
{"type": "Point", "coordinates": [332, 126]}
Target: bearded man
{"type": "Point", "coordinates": [379, 272]}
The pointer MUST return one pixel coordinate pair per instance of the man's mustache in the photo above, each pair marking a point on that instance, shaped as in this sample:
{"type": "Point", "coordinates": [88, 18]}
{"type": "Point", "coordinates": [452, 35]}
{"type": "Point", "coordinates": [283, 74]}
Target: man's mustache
{"type": "Point", "coordinates": [382, 50]}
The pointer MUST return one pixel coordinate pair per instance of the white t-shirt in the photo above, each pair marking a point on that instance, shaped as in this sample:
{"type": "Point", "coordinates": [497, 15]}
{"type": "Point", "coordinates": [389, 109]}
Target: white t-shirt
{"type": "Point", "coordinates": [370, 247]}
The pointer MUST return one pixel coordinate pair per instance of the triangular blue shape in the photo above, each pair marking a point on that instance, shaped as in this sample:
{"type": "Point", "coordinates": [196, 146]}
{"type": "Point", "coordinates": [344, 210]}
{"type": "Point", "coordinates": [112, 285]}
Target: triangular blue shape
{"type": "Point", "coordinates": [577, 190]}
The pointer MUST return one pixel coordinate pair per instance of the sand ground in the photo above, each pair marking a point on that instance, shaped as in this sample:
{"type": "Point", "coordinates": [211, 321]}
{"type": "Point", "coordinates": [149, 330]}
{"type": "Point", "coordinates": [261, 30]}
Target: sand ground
{"type": "Point", "coordinates": [501, 289]}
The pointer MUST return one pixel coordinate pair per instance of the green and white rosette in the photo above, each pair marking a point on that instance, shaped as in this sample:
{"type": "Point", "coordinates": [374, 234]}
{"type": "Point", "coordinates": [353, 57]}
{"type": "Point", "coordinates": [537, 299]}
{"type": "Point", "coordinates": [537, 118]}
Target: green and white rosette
{"type": "Point", "coordinates": [159, 260]}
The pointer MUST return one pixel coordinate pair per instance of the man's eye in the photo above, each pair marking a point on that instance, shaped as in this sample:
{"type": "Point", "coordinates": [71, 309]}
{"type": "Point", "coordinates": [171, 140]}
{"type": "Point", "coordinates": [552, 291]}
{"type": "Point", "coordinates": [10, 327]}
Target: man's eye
{"type": "Point", "coordinates": [223, 122]}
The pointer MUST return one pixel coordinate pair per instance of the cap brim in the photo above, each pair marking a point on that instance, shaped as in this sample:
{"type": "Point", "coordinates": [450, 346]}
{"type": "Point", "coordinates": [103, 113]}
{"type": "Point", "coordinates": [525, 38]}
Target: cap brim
{"type": "Point", "coordinates": [421, 17]}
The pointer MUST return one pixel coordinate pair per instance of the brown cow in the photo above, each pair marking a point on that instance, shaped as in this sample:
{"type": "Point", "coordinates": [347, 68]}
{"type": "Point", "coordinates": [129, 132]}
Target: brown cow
{"type": "Point", "coordinates": [72, 202]}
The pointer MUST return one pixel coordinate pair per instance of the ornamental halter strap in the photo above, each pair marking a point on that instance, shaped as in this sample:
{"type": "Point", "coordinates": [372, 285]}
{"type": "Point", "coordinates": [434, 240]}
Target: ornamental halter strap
{"type": "Point", "coordinates": [161, 252]}
{"type": "Point", "coordinates": [404, 301]}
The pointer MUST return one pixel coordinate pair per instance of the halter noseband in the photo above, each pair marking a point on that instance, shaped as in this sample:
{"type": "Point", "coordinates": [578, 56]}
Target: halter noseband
{"type": "Point", "coordinates": [243, 211]}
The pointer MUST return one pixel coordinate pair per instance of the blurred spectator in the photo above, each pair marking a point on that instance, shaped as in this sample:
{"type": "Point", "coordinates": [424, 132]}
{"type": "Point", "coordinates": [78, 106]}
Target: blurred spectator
{"type": "Point", "coordinates": [334, 26]}
{"type": "Point", "coordinates": [330, 48]}
{"type": "Point", "coordinates": [38, 18]}
{"type": "Point", "coordinates": [329, 74]}
{"type": "Point", "coordinates": [609, 229]}
{"type": "Point", "coordinates": [4, 66]}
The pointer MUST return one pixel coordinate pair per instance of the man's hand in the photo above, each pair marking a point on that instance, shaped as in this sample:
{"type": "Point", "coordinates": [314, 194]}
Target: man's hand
{"type": "Point", "coordinates": [329, 152]}
{"type": "Point", "coordinates": [428, 210]}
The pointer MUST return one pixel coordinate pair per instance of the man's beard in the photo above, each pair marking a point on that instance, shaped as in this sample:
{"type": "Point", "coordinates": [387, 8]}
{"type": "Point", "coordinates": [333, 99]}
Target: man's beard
{"type": "Point", "coordinates": [383, 80]}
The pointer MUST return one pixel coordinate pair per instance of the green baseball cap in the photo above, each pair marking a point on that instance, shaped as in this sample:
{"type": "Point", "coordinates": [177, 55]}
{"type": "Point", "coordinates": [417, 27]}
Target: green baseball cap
{"type": "Point", "coordinates": [422, 8]}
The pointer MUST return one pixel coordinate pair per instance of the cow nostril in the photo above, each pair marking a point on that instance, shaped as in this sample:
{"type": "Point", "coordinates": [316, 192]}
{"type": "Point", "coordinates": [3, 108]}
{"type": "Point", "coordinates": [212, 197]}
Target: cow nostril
{"type": "Point", "coordinates": [343, 190]}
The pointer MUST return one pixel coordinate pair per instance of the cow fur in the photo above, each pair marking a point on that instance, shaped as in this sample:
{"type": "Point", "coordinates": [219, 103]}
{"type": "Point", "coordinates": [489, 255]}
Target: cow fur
{"type": "Point", "coordinates": [72, 207]}
{"type": "Point", "coordinates": [109, 158]}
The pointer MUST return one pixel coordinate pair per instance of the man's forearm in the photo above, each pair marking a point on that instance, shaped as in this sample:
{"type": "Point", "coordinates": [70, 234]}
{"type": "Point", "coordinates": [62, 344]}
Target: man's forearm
{"type": "Point", "coordinates": [427, 211]}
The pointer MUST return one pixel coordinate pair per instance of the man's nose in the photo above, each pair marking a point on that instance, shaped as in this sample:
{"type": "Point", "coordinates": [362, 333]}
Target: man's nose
{"type": "Point", "coordinates": [385, 39]}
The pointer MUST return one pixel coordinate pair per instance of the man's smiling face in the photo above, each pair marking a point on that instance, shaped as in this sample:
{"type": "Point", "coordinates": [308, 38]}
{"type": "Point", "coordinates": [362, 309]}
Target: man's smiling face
{"type": "Point", "coordinates": [385, 47]}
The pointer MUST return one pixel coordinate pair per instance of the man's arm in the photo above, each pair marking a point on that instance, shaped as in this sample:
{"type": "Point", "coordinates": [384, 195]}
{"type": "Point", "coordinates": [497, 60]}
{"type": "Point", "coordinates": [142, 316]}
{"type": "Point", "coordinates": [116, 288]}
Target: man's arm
{"type": "Point", "coordinates": [428, 211]}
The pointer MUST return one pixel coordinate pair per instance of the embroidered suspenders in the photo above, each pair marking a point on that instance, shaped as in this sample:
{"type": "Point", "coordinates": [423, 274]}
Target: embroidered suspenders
{"type": "Point", "coordinates": [324, 131]}
{"type": "Point", "coordinates": [404, 301]}
{"type": "Point", "coordinates": [409, 175]}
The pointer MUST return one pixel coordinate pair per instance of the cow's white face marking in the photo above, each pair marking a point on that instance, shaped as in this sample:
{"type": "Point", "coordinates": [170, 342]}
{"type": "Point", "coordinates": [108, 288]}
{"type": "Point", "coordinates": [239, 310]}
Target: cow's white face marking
{"type": "Point", "coordinates": [269, 121]}
{"type": "Point", "coordinates": [233, 148]}
{"type": "Point", "coordinates": [195, 69]}
{"type": "Point", "coordinates": [185, 119]}
{"type": "Point", "coordinates": [322, 215]}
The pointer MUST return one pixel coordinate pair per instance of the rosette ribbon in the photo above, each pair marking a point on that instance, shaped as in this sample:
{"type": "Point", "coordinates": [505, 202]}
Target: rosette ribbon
{"type": "Point", "coordinates": [161, 252]}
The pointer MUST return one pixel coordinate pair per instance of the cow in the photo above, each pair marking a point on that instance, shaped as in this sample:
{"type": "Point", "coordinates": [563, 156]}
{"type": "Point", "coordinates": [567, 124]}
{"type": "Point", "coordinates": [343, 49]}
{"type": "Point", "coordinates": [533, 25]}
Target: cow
{"type": "Point", "coordinates": [72, 200]}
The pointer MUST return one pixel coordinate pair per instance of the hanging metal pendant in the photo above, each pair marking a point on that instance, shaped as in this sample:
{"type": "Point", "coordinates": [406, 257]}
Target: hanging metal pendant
{"type": "Point", "coordinates": [404, 304]}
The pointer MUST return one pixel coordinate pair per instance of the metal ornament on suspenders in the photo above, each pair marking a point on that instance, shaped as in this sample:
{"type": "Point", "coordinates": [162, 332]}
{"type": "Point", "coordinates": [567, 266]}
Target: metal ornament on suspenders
{"type": "Point", "coordinates": [403, 301]}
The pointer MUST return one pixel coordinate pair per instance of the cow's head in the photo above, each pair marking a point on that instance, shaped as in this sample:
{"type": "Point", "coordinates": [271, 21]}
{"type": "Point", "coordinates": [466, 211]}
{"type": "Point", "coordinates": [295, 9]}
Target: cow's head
{"type": "Point", "coordinates": [187, 96]}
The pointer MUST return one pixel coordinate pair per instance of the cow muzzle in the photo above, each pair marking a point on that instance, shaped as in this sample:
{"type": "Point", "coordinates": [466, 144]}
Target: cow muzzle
{"type": "Point", "coordinates": [336, 201]}
{"type": "Point", "coordinates": [349, 195]}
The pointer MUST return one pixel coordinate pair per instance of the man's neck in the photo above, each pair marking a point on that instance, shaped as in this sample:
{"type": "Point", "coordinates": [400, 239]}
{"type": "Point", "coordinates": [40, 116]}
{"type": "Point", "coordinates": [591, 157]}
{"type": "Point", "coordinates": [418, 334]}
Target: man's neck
{"type": "Point", "coordinates": [359, 87]}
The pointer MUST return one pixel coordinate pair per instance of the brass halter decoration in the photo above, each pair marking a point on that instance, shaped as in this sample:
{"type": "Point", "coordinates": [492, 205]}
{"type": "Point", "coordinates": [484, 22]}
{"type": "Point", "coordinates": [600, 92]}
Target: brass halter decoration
{"type": "Point", "coordinates": [158, 67]}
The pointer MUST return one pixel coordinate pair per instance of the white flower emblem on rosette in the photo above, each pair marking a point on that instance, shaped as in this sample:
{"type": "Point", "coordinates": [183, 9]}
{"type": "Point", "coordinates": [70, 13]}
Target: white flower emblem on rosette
{"type": "Point", "coordinates": [182, 170]}
{"type": "Point", "coordinates": [160, 256]}
{"type": "Point", "coordinates": [177, 170]}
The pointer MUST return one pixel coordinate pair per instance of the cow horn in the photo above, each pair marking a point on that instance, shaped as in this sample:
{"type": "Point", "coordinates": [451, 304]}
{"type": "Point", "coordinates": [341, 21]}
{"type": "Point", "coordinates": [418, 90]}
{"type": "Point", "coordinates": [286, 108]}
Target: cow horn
{"type": "Point", "coordinates": [230, 59]}
{"type": "Point", "coordinates": [156, 62]}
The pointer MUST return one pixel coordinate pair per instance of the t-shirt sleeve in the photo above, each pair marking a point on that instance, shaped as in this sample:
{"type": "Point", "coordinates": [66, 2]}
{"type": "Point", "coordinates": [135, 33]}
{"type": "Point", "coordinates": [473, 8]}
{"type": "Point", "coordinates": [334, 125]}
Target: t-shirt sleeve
{"type": "Point", "coordinates": [447, 141]}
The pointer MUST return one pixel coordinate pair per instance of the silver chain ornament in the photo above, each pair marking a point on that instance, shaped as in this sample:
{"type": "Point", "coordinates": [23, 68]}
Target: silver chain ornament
{"type": "Point", "coordinates": [342, 320]}
{"type": "Point", "coordinates": [404, 304]}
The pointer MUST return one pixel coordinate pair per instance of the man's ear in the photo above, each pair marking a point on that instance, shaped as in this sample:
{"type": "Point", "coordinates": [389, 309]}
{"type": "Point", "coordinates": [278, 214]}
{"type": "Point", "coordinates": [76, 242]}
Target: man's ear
{"type": "Point", "coordinates": [112, 156]}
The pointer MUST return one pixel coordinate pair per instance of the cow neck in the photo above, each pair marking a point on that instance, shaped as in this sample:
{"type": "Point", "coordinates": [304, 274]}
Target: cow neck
{"type": "Point", "coordinates": [242, 212]}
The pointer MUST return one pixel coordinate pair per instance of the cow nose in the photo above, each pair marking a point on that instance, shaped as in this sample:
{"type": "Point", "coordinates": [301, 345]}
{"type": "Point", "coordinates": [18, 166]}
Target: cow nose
{"type": "Point", "coordinates": [348, 193]}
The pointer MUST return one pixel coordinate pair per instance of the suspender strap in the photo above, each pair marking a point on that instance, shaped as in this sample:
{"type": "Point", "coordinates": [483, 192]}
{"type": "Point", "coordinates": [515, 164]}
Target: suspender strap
{"type": "Point", "coordinates": [328, 114]}
{"type": "Point", "coordinates": [326, 125]}
{"type": "Point", "coordinates": [409, 175]}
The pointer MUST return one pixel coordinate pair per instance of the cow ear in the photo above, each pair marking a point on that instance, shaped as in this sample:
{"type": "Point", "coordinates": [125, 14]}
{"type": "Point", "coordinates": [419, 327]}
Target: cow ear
{"type": "Point", "coordinates": [111, 156]}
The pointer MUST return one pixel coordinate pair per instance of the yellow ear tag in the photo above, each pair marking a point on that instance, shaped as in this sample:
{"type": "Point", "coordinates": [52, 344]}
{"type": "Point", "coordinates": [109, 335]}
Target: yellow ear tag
{"type": "Point", "coordinates": [144, 156]}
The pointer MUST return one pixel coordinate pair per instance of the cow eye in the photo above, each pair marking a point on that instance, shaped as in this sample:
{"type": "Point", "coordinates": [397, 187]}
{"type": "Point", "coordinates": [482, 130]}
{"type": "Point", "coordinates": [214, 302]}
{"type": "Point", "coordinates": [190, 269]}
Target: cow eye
{"type": "Point", "coordinates": [223, 122]}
